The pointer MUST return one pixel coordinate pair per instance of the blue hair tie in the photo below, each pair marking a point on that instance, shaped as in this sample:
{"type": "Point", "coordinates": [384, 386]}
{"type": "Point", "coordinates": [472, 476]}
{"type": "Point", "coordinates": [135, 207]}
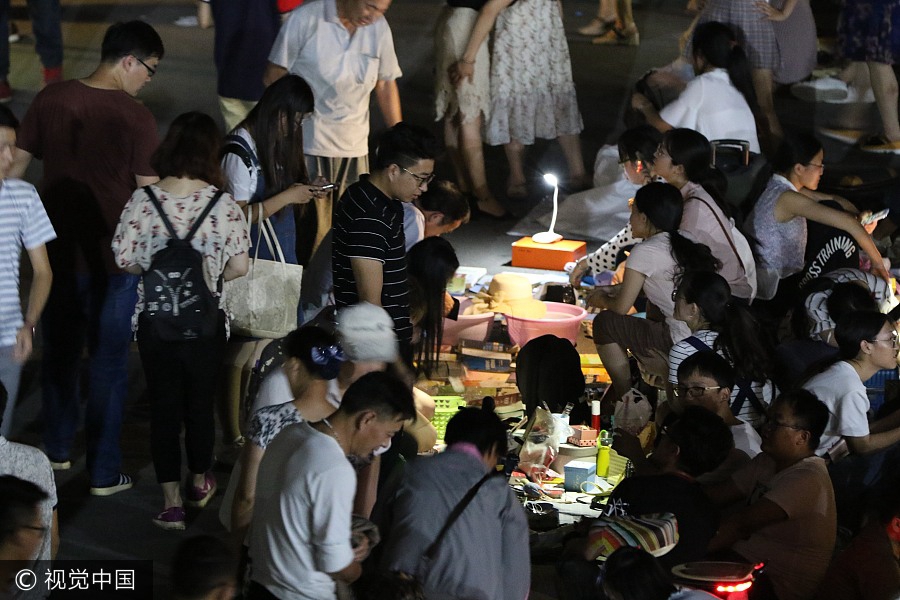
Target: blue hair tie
{"type": "Point", "coordinates": [328, 360]}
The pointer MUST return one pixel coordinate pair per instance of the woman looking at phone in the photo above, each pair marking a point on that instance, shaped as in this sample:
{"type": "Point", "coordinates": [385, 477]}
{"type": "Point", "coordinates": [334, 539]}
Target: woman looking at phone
{"type": "Point", "coordinates": [264, 164]}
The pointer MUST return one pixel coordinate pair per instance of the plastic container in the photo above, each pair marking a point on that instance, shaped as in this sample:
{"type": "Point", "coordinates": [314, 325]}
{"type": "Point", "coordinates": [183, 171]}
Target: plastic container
{"type": "Point", "coordinates": [444, 409]}
{"type": "Point", "coordinates": [467, 327]}
{"type": "Point", "coordinates": [561, 320]}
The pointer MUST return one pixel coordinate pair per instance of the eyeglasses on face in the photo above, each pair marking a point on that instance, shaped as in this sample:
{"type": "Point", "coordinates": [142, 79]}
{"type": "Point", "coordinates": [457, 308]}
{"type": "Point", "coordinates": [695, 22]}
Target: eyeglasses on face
{"type": "Point", "coordinates": [150, 70]}
{"type": "Point", "coordinates": [420, 179]}
{"type": "Point", "coordinates": [816, 165]}
{"type": "Point", "coordinates": [771, 423]}
{"type": "Point", "coordinates": [694, 391]}
{"type": "Point", "coordinates": [894, 340]}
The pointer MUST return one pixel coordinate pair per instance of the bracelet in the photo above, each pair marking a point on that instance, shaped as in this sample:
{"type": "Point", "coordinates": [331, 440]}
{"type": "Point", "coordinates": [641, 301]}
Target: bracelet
{"type": "Point", "coordinates": [29, 324]}
{"type": "Point", "coordinates": [466, 62]}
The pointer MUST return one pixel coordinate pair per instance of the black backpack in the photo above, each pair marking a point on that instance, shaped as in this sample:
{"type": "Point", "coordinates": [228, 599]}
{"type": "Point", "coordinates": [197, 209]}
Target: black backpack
{"type": "Point", "coordinates": [178, 305]}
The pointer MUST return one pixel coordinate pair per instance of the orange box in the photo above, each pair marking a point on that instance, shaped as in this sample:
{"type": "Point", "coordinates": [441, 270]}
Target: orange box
{"type": "Point", "coordinates": [526, 253]}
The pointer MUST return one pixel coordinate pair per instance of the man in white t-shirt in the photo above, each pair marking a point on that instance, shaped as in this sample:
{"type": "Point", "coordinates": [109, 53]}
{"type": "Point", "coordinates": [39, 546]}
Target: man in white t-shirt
{"type": "Point", "coordinates": [300, 538]}
{"type": "Point", "coordinates": [345, 51]}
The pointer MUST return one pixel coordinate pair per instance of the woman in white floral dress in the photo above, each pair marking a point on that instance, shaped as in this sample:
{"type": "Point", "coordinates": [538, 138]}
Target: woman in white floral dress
{"type": "Point", "coordinates": [532, 92]}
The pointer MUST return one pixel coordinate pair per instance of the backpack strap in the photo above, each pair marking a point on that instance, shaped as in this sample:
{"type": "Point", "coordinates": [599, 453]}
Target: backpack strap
{"type": "Point", "coordinates": [209, 206]}
{"type": "Point", "coordinates": [149, 191]}
{"type": "Point", "coordinates": [744, 394]}
{"type": "Point", "coordinates": [235, 144]}
{"type": "Point", "coordinates": [697, 343]}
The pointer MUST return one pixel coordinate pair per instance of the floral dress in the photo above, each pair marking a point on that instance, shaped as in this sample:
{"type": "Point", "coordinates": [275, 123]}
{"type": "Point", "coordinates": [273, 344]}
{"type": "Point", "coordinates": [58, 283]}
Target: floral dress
{"type": "Point", "coordinates": [870, 30]}
{"type": "Point", "coordinates": [532, 92]}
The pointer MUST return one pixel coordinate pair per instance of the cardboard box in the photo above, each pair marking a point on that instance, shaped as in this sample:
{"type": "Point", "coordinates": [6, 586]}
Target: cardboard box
{"type": "Point", "coordinates": [526, 253]}
{"type": "Point", "coordinates": [577, 472]}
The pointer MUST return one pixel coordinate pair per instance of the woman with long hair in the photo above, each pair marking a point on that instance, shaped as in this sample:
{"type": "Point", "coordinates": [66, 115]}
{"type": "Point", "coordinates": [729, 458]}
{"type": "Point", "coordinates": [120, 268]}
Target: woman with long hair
{"type": "Point", "coordinates": [703, 302]}
{"type": "Point", "coordinates": [636, 148]}
{"type": "Point", "coordinates": [430, 264]}
{"type": "Point", "coordinates": [182, 375]}
{"type": "Point", "coordinates": [867, 343]}
{"type": "Point", "coordinates": [684, 160]}
{"type": "Point", "coordinates": [720, 101]}
{"type": "Point", "coordinates": [778, 220]}
{"type": "Point", "coordinates": [264, 163]}
{"type": "Point", "coordinates": [653, 267]}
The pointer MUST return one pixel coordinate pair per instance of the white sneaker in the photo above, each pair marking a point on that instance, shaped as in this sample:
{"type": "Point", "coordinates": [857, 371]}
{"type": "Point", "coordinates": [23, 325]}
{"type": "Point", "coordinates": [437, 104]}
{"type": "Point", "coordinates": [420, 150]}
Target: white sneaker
{"type": "Point", "coordinates": [853, 96]}
{"type": "Point", "coordinates": [825, 89]}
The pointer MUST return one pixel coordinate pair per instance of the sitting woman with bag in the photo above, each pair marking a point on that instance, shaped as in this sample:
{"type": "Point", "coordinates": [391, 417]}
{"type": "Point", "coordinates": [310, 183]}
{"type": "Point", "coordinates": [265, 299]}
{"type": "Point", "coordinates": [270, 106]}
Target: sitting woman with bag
{"type": "Point", "coordinates": [653, 267]}
{"type": "Point", "coordinates": [703, 302]}
{"type": "Point", "coordinates": [182, 351]}
{"type": "Point", "coordinates": [684, 160]}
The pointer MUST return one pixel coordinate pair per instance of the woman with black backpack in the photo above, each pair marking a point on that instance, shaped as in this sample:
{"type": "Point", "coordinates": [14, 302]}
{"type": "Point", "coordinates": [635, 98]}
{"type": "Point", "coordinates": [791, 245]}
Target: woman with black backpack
{"type": "Point", "coordinates": [184, 236]}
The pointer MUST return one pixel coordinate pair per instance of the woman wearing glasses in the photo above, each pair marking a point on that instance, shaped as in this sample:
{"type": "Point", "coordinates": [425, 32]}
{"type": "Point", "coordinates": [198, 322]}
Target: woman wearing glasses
{"type": "Point", "coordinates": [778, 221]}
{"type": "Point", "coordinates": [703, 302]}
{"type": "Point", "coordinates": [867, 343]}
{"type": "Point", "coordinates": [683, 159]}
{"type": "Point", "coordinates": [653, 266]}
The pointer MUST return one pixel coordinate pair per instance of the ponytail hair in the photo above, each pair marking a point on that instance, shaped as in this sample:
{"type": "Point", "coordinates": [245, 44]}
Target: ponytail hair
{"type": "Point", "coordinates": [738, 329]}
{"type": "Point", "coordinates": [717, 44]}
{"type": "Point", "coordinates": [693, 152]}
{"type": "Point", "coordinates": [663, 206]}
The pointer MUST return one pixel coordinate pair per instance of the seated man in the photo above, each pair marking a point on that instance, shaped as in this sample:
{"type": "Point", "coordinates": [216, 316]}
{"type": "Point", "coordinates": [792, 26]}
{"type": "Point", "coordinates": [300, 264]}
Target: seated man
{"type": "Point", "coordinates": [706, 379]}
{"type": "Point", "coordinates": [300, 533]}
{"type": "Point", "coordinates": [789, 521]}
{"type": "Point", "coordinates": [695, 443]}
{"type": "Point", "coordinates": [442, 209]}
{"type": "Point", "coordinates": [869, 568]}
{"type": "Point", "coordinates": [483, 555]}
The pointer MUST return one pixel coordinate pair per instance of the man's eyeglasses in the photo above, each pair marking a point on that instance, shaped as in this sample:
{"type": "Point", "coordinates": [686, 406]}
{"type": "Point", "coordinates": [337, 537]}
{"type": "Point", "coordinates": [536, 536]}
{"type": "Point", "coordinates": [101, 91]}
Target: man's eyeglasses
{"type": "Point", "coordinates": [895, 342]}
{"type": "Point", "coordinates": [420, 179]}
{"type": "Point", "coordinates": [150, 70]}
{"type": "Point", "coordinates": [694, 391]}
{"type": "Point", "coordinates": [772, 423]}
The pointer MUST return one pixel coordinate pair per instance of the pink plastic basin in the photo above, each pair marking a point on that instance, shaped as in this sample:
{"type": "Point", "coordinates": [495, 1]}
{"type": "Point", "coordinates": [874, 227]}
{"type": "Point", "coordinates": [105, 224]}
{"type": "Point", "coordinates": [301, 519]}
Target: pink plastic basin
{"type": "Point", "coordinates": [561, 320]}
{"type": "Point", "coordinates": [467, 327]}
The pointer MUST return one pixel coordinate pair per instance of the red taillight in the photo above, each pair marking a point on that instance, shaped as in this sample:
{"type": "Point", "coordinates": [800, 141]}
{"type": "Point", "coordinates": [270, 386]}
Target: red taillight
{"type": "Point", "coordinates": [740, 587]}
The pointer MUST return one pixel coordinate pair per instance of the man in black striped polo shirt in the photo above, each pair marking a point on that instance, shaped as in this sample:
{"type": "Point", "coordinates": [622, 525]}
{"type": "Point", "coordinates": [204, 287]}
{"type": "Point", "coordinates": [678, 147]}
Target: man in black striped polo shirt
{"type": "Point", "coordinates": [369, 253]}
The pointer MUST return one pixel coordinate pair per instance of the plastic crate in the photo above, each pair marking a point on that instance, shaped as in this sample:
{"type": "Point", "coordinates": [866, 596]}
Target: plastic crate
{"type": "Point", "coordinates": [444, 409]}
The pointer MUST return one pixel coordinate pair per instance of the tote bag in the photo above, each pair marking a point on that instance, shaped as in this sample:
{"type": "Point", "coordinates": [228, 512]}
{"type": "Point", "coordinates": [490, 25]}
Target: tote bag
{"type": "Point", "coordinates": [263, 303]}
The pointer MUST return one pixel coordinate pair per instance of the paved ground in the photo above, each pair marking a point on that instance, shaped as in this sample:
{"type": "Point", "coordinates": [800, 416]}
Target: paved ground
{"type": "Point", "coordinates": [120, 526]}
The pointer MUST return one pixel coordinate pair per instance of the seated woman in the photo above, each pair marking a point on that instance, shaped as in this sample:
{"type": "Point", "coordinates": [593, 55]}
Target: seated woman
{"type": "Point", "coordinates": [683, 159]}
{"type": "Point", "coordinates": [703, 302]}
{"type": "Point", "coordinates": [867, 342]}
{"type": "Point", "coordinates": [786, 516]}
{"type": "Point", "coordinates": [430, 265]}
{"type": "Point", "coordinates": [602, 212]}
{"type": "Point", "coordinates": [778, 220]}
{"type": "Point", "coordinates": [719, 102]}
{"type": "Point", "coordinates": [822, 303]}
{"type": "Point", "coordinates": [654, 264]}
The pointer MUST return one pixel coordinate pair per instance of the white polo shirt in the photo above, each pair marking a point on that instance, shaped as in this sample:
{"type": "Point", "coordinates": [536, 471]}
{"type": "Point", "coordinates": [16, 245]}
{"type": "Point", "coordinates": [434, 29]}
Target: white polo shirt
{"type": "Point", "coordinates": [342, 71]}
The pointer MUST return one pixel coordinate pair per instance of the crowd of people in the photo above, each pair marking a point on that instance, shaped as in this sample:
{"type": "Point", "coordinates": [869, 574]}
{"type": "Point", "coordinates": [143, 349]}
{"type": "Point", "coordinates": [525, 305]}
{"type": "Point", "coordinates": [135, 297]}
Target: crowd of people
{"type": "Point", "coordinates": [763, 451]}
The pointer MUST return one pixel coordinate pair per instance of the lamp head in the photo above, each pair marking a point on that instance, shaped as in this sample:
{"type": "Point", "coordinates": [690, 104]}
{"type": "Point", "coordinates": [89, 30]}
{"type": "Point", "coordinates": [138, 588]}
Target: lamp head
{"type": "Point", "coordinates": [551, 179]}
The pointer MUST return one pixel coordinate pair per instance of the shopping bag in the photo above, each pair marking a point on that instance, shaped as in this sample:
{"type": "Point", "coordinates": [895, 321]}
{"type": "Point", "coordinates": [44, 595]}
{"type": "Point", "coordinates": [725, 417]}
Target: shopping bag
{"type": "Point", "coordinates": [263, 303]}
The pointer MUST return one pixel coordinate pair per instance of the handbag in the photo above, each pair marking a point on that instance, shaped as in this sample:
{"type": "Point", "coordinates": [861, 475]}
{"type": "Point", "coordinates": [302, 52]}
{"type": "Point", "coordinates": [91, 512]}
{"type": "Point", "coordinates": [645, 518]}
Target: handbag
{"type": "Point", "coordinates": [263, 303]}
